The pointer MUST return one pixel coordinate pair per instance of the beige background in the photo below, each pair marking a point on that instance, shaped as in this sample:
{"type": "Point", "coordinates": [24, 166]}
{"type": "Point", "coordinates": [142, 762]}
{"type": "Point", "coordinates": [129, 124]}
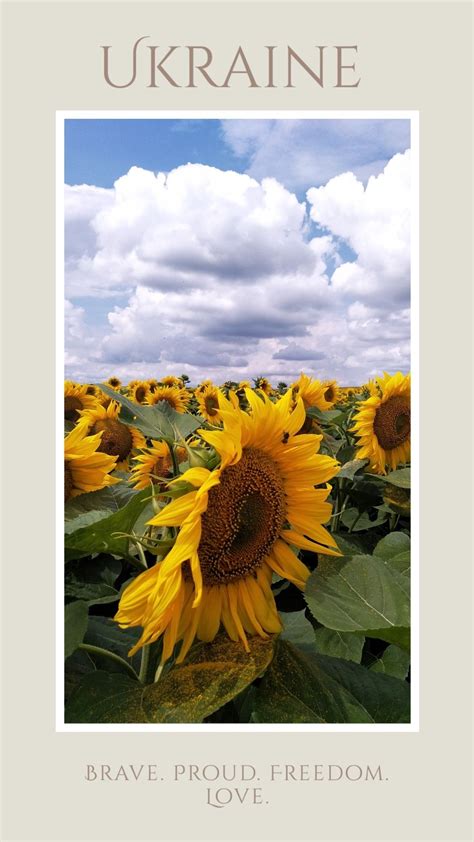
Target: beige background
{"type": "Point", "coordinates": [411, 56]}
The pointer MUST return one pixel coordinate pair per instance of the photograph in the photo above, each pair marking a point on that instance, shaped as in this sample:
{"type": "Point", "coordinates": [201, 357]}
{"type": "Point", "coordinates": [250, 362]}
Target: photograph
{"type": "Point", "coordinates": [236, 308]}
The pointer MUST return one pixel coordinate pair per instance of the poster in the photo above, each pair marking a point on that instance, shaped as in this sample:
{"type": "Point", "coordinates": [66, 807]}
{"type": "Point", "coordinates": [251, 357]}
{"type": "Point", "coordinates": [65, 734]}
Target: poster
{"type": "Point", "coordinates": [244, 90]}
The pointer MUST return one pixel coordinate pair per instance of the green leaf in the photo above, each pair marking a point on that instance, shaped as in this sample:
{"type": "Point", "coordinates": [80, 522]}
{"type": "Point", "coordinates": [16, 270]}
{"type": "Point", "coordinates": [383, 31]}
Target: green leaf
{"type": "Point", "coordinates": [395, 550]}
{"type": "Point", "coordinates": [349, 545]}
{"type": "Point", "coordinates": [75, 625]}
{"type": "Point", "coordinates": [327, 415]}
{"type": "Point", "coordinates": [338, 644]}
{"type": "Point", "coordinates": [93, 580]}
{"type": "Point", "coordinates": [182, 423]}
{"type": "Point", "coordinates": [212, 675]}
{"type": "Point", "coordinates": [346, 454]}
{"type": "Point", "coordinates": [92, 506]}
{"type": "Point", "coordinates": [75, 668]}
{"type": "Point", "coordinates": [106, 697]}
{"type": "Point", "coordinates": [392, 544]}
{"type": "Point", "coordinates": [357, 522]}
{"type": "Point", "coordinates": [361, 594]}
{"type": "Point", "coordinates": [298, 630]}
{"type": "Point", "coordinates": [400, 562]}
{"type": "Point", "coordinates": [401, 478]}
{"type": "Point", "coordinates": [298, 688]}
{"type": "Point", "coordinates": [100, 537]}
{"type": "Point", "coordinates": [106, 633]}
{"type": "Point", "coordinates": [160, 421]}
{"type": "Point", "coordinates": [98, 593]}
{"type": "Point", "coordinates": [394, 661]}
{"type": "Point", "coordinates": [349, 469]}
{"type": "Point", "coordinates": [140, 525]}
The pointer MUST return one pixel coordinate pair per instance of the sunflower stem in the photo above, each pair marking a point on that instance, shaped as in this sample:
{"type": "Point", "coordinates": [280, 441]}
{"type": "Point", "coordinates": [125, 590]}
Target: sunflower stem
{"type": "Point", "coordinates": [141, 553]}
{"type": "Point", "coordinates": [175, 461]}
{"type": "Point", "coordinates": [335, 526]}
{"type": "Point", "coordinates": [393, 522]}
{"type": "Point", "coordinates": [142, 675]}
{"type": "Point", "coordinates": [97, 650]}
{"type": "Point", "coordinates": [356, 521]}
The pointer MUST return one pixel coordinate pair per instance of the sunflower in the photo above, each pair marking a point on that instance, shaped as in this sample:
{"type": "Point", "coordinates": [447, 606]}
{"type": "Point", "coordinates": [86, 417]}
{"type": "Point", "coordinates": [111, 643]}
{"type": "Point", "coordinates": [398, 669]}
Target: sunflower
{"type": "Point", "coordinates": [91, 389]}
{"type": "Point", "coordinates": [151, 464]}
{"type": "Point", "coordinates": [264, 385]}
{"type": "Point", "coordinates": [97, 392]}
{"type": "Point", "coordinates": [383, 424]}
{"type": "Point", "coordinates": [138, 390]}
{"type": "Point", "coordinates": [114, 383]}
{"type": "Point", "coordinates": [330, 393]}
{"type": "Point", "coordinates": [152, 384]}
{"type": "Point", "coordinates": [371, 389]}
{"type": "Point", "coordinates": [310, 391]}
{"type": "Point", "coordinates": [171, 380]}
{"type": "Point", "coordinates": [118, 439]}
{"type": "Point", "coordinates": [177, 398]}
{"type": "Point", "coordinates": [236, 528]}
{"type": "Point", "coordinates": [77, 398]}
{"type": "Point", "coordinates": [202, 386]}
{"type": "Point", "coordinates": [208, 400]}
{"type": "Point", "coordinates": [85, 468]}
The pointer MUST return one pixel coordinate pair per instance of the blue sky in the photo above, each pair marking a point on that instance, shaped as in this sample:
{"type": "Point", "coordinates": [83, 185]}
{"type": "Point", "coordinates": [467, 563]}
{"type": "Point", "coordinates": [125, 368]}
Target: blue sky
{"type": "Point", "coordinates": [232, 248]}
{"type": "Point", "coordinates": [151, 144]}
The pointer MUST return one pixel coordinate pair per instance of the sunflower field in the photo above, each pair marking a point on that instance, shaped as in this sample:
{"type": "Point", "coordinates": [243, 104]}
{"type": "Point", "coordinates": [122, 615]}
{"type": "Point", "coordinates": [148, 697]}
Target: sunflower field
{"type": "Point", "coordinates": [237, 553]}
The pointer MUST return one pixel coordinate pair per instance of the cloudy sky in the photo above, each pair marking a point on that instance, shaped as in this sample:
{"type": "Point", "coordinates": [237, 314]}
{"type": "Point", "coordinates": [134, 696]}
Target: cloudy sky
{"type": "Point", "coordinates": [235, 248]}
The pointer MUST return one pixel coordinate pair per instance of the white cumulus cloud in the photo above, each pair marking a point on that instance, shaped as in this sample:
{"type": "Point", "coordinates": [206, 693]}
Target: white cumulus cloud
{"type": "Point", "coordinates": [375, 222]}
{"type": "Point", "coordinates": [219, 274]}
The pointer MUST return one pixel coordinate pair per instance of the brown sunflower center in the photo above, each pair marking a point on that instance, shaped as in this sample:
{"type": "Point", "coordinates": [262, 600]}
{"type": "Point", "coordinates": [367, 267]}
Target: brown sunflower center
{"type": "Point", "coordinates": [116, 438]}
{"type": "Point", "coordinates": [72, 408]}
{"type": "Point", "coordinates": [244, 517]}
{"type": "Point", "coordinates": [161, 468]}
{"type": "Point", "coordinates": [140, 394]}
{"type": "Point", "coordinates": [68, 482]}
{"type": "Point", "coordinates": [392, 422]}
{"type": "Point", "coordinates": [329, 394]}
{"type": "Point", "coordinates": [114, 382]}
{"type": "Point", "coordinates": [212, 405]}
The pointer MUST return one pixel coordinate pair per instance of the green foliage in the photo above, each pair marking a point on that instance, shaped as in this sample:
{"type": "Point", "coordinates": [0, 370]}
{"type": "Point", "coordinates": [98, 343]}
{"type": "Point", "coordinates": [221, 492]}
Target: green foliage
{"type": "Point", "coordinates": [75, 625]}
{"type": "Point", "coordinates": [392, 545]}
{"type": "Point", "coordinates": [160, 421]}
{"type": "Point", "coordinates": [88, 508]}
{"type": "Point", "coordinates": [351, 468]}
{"type": "Point", "coordinates": [357, 521]}
{"type": "Point", "coordinates": [393, 661]}
{"type": "Point", "coordinates": [361, 594]}
{"type": "Point", "coordinates": [401, 478]}
{"type": "Point", "coordinates": [339, 644]}
{"type": "Point", "coordinates": [101, 530]}
{"type": "Point", "coordinates": [343, 653]}
{"type": "Point", "coordinates": [92, 580]}
{"type": "Point", "coordinates": [212, 675]}
{"type": "Point", "coordinates": [298, 629]}
{"type": "Point", "coordinates": [301, 688]}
